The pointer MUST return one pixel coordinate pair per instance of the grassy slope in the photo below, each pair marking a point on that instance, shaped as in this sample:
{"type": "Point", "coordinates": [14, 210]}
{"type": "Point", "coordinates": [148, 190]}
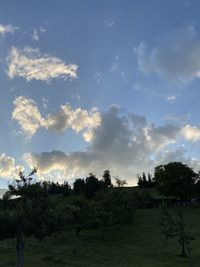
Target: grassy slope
{"type": "Point", "coordinates": [138, 245]}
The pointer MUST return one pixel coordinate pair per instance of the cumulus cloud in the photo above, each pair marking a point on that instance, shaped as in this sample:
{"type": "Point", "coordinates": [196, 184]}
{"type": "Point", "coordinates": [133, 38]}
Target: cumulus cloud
{"type": "Point", "coordinates": [28, 116]}
{"type": "Point", "coordinates": [191, 133]}
{"type": "Point", "coordinates": [7, 29]}
{"type": "Point", "coordinates": [30, 64]}
{"type": "Point", "coordinates": [123, 142]}
{"type": "Point", "coordinates": [8, 169]}
{"type": "Point", "coordinates": [176, 57]}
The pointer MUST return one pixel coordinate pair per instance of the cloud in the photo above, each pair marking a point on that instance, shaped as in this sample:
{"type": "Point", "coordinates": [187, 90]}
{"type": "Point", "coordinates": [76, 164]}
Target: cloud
{"type": "Point", "coordinates": [191, 133]}
{"type": "Point", "coordinates": [28, 116]}
{"type": "Point", "coordinates": [171, 98]}
{"type": "Point", "coordinates": [109, 23]}
{"type": "Point", "coordinates": [35, 35]}
{"type": "Point", "coordinates": [42, 29]}
{"type": "Point", "coordinates": [8, 169]}
{"type": "Point", "coordinates": [7, 29]}
{"type": "Point", "coordinates": [176, 57]}
{"type": "Point", "coordinates": [115, 64]}
{"type": "Point", "coordinates": [30, 64]}
{"type": "Point", "coordinates": [176, 120]}
{"type": "Point", "coordinates": [123, 142]}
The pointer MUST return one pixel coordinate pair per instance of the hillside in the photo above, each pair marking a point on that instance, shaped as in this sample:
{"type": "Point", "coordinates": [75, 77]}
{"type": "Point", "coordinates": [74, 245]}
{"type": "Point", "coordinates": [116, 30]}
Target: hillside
{"type": "Point", "coordinates": [139, 244]}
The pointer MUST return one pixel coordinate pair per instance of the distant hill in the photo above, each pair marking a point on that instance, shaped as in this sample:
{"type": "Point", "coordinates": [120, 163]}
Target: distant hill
{"type": "Point", "coordinates": [2, 192]}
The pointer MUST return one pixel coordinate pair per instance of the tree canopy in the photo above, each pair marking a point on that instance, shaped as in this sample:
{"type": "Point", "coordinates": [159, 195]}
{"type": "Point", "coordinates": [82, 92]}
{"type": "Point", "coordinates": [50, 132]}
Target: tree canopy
{"type": "Point", "coordinates": [175, 179]}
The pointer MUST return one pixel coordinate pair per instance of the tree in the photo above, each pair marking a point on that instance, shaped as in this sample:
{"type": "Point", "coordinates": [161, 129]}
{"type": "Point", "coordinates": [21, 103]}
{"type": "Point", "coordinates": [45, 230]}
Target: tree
{"type": "Point", "coordinates": [140, 183]}
{"type": "Point", "coordinates": [29, 214]}
{"type": "Point", "coordinates": [92, 185]}
{"type": "Point", "coordinates": [175, 179]}
{"type": "Point", "coordinates": [79, 186]}
{"type": "Point", "coordinates": [107, 179]}
{"type": "Point", "coordinates": [114, 208]}
{"type": "Point", "coordinates": [174, 227]}
{"type": "Point", "coordinates": [78, 215]}
{"type": "Point", "coordinates": [120, 182]}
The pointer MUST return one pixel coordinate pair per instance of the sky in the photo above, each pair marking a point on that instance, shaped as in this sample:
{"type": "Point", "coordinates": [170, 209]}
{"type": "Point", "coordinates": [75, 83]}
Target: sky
{"type": "Point", "coordinates": [89, 85]}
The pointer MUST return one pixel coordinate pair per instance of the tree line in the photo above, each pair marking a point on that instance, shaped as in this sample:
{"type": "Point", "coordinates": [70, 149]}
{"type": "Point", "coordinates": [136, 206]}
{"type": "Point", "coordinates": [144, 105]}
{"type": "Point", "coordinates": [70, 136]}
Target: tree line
{"type": "Point", "coordinates": [31, 208]}
{"type": "Point", "coordinates": [42, 209]}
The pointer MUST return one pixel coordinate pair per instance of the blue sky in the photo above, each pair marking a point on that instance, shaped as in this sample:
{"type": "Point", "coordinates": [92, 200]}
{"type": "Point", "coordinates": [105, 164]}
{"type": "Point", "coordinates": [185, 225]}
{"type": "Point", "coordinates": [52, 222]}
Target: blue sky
{"type": "Point", "coordinates": [94, 85]}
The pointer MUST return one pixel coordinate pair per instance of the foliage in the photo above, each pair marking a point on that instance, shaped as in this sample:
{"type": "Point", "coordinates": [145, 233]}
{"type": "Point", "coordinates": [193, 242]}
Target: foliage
{"type": "Point", "coordinates": [174, 226]}
{"type": "Point", "coordinates": [28, 214]}
{"type": "Point", "coordinates": [107, 179]}
{"type": "Point", "coordinates": [120, 182]}
{"type": "Point", "coordinates": [144, 182]}
{"type": "Point", "coordinates": [175, 179]}
{"type": "Point", "coordinates": [114, 208]}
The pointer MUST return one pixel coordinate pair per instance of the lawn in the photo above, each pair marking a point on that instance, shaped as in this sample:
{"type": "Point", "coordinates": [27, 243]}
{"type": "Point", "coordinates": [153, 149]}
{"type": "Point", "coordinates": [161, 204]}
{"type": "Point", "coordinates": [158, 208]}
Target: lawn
{"type": "Point", "coordinates": [140, 245]}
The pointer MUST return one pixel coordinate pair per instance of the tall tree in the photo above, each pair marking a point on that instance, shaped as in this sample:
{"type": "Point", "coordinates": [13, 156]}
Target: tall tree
{"type": "Point", "coordinates": [107, 179]}
{"type": "Point", "coordinates": [92, 185]}
{"type": "Point", "coordinates": [79, 186]}
{"type": "Point", "coordinates": [175, 179]}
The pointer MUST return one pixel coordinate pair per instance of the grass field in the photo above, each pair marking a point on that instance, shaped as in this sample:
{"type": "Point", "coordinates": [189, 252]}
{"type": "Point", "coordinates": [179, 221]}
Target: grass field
{"type": "Point", "coordinates": [140, 245]}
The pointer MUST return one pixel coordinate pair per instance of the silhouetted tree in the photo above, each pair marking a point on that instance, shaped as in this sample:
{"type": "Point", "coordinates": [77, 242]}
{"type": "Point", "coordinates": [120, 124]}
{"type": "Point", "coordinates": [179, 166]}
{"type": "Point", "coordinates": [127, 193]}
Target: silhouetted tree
{"type": "Point", "coordinates": [107, 179]}
{"type": "Point", "coordinates": [79, 186]}
{"type": "Point", "coordinates": [120, 182]}
{"type": "Point", "coordinates": [92, 185]}
{"type": "Point", "coordinates": [175, 179]}
{"type": "Point", "coordinates": [29, 214]}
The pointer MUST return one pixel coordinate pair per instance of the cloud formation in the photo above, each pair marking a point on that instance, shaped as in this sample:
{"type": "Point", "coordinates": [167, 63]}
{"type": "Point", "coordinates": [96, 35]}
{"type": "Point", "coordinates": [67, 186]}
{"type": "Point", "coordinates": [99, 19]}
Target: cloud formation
{"type": "Point", "coordinates": [30, 64]}
{"type": "Point", "coordinates": [191, 133]}
{"type": "Point", "coordinates": [28, 116]}
{"type": "Point", "coordinates": [8, 169]}
{"type": "Point", "coordinates": [7, 29]}
{"type": "Point", "coordinates": [176, 57]}
{"type": "Point", "coordinates": [124, 143]}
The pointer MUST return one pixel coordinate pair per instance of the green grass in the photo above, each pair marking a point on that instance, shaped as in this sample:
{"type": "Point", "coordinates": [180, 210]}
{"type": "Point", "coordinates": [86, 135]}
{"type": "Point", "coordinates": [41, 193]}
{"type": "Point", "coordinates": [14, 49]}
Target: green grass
{"type": "Point", "coordinates": [138, 245]}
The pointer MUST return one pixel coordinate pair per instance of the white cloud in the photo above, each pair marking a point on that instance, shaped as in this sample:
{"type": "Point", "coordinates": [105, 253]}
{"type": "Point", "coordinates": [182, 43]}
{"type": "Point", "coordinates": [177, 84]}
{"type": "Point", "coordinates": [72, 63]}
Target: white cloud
{"type": "Point", "coordinates": [27, 114]}
{"type": "Point", "coordinates": [109, 23]}
{"type": "Point", "coordinates": [191, 133]}
{"type": "Point", "coordinates": [176, 57]}
{"type": "Point", "coordinates": [30, 64]}
{"type": "Point", "coordinates": [35, 35]}
{"type": "Point", "coordinates": [8, 169]}
{"type": "Point", "coordinates": [171, 98]}
{"type": "Point", "coordinates": [7, 29]}
{"type": "Point", "coordinates": [123, 143]}
{"type": "Point", "coordinates": [42, 29]}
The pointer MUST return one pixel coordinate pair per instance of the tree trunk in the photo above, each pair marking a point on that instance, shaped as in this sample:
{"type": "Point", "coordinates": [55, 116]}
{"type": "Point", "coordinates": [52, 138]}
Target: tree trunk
{"type": "Point", "coordinates": [183, 253]}
{"type": "Point", "coordinates": [20, 249]}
